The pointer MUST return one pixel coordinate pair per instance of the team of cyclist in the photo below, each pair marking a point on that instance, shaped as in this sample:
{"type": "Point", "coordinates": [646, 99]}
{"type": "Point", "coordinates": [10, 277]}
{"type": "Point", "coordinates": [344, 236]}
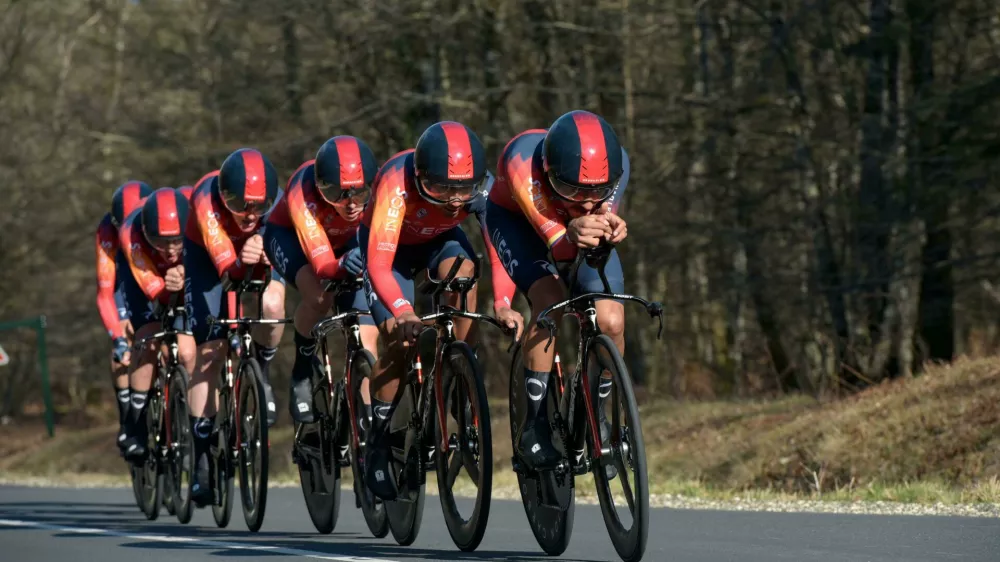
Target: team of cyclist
{"type": "Point", "coordinates": [556, 191]}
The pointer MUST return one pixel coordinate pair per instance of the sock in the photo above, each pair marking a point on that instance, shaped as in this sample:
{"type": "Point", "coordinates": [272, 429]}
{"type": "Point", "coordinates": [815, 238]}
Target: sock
{"type": "Point", "coordinates": [201, 428]}
{"type": "Point", "coordinates": [305, 347]}
{"type": "Point", "coordinates": [264, 357]}
{"type": "Point", "coordinates": [535, 385]}
{"type": "Point", "coordinates": [124, 400]}
{"type": "Point", "coordinates": [137, 405]}
{"type": "Point", "coordinates": [380, 411]}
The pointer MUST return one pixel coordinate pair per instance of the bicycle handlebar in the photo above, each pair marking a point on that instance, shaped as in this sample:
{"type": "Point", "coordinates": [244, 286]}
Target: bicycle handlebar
{"type": "Point", "coordinates": [327, 325]}
{"type": "Point", "coordinates": [452, 312]}
{"type": "Point", "coordinates": [342, 285]}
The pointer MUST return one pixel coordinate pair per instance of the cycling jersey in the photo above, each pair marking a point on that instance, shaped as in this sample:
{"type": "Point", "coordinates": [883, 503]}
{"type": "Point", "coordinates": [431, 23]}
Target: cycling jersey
{"type": "Point", "coordinates": [319, 228]}
{"type": "Point", "coordinates": [110, 303]}
{"type": "Point", "coordinates": [146, 265]}
{"type": "Point", "coordinates": [212, 227]}
{"type": "Point", "coordinates": [523, 190]}
{"type": "Point", "coordinates": [400, 216]}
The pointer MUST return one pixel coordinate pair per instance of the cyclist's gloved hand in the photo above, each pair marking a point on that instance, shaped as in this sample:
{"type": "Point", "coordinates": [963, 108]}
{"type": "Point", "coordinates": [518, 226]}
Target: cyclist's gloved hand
{"type": "Point", "coordinates": [120, 349]}
{"type": "Point", "coordinates": [352, 263]}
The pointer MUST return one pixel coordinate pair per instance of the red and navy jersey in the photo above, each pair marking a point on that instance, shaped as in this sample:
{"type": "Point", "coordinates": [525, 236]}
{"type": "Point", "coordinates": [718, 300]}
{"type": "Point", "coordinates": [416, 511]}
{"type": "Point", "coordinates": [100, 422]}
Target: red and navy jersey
{"type": "Point", "coordinates": [523, 187]}
{"type": "Point", "coordinates": [319, 228]}
{"type": "Point", "coordinates": [212, 226]}
{"type": "Point", "coordinates": [146, 264]}
{"type": "Point", "coordinates": [106, 244]}
{"type": "Point", "coordinates": [399, 215]}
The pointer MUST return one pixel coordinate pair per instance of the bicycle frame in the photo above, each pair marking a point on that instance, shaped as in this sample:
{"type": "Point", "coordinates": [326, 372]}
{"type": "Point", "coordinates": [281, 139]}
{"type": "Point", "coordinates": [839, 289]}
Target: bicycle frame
{"type": "Point", "coordinates": [584, 309]}
{"type": "Point", "coordinates": [348, 322]}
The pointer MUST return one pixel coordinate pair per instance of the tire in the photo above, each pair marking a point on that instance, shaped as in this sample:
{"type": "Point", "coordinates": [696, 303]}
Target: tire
{"type": "Point", "coordinates": [136, 477]}
{"type": "Point", "coordinates": [371, 507]}
{"type": "Point", "coordinates": [252, 422]}
{"type": "Point", "coordinates": [222, 465]}
{"type": "Point", "coordinates": [551, 525]}
{"type": "Point", "coordinates": [465, 397]}
{"type": "Point", "coordinates": [151, 492]}
{"type": "Point", "coordinates": [407, 511]}
{"type": "Point", "coordinates": [180, 469]}
{"type": "Point", "coordinates": [628, 450]}
{"type": "Point", "coordinates": [315, 454]}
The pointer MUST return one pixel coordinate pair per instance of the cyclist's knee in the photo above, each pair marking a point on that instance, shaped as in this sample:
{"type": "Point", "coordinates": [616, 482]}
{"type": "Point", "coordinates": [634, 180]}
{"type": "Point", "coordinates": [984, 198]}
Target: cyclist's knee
{"type": "Point", "coordinates": [274, 301]}
{"type": "Point", "coordinates": [187, 352]}
{"type": "Point", "coordinates": [611, 318]}
{"type": "Point", "coordinates": [546, 292]}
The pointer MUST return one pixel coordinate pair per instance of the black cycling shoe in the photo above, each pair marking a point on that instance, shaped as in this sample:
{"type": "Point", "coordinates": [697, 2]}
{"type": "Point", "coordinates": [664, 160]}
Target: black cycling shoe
{"type": "Point", "coordinates": [605, 427]}
{"type": "Point", "coordinates": [300, 404]}
{"type": "Point", "coordinates": [378, 470]}
{"type": "Point", "coordinates": [120, 439]}
{"type": "Point", "coordinates": [201, 485]}
{"type": "Point", "coordinates": [270, 404]}
{"type": "Point", "coordinates": [134, 445]}
{"type": "Point", "coordinates": [535, 445]}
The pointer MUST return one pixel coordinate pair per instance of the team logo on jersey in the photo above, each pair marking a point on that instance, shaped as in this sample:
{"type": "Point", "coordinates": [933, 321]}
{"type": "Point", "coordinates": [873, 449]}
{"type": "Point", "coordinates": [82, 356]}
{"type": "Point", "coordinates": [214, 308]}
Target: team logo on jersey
{"type": "Point", "coordinates": [421, 213]}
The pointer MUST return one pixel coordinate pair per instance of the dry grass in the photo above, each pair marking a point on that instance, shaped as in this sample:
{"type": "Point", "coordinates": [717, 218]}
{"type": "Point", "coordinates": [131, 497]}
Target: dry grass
{"type": "Point", "coordinates": [930, 439]}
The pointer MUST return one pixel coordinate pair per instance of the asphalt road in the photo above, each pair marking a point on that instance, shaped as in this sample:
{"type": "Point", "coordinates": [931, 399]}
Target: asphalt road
{"type": "Point", "coordinates": [58, 524]}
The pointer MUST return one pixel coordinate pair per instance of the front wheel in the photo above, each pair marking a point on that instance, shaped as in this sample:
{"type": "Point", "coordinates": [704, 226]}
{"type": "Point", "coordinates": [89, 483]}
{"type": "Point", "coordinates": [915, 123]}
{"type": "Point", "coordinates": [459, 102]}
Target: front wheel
{"type": "Point", "coordinates": [620, 474]}
{"type": "Point", "coordinates": [151, 490]}
{"type": "Point", "coordinates": [371, 507]}
{"type": "Point", "coordinates": [315, 453]}
{"type": "Point", "coordinates": [252, 443]}
{"type": "Point", "coordinates": [470, 445]}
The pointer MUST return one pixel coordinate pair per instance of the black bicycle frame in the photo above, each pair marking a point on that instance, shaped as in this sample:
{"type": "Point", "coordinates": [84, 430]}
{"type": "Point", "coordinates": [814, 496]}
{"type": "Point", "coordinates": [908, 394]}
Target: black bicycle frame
{"type": "Point", "coordinates": [583, 308]}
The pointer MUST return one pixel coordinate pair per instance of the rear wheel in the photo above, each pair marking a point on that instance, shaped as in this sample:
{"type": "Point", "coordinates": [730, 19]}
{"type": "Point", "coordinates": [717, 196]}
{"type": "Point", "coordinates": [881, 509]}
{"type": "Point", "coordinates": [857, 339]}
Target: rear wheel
{"type": "Point", "coordinates": [407, 510]}
{"type": "Point", "coordinates": [468, 462]}
{"type": "Point", "coordinates": [624, 496]}
{"type": "Point", "coordinates": [180, 468]}
{"type": "Point", "coordinates": [152, 480]}
{"type": "Point", "coordinates": [222, 464]}
{"type": "Point", "coordinates": [548, 499]}
{"type": "Point", "coordinates": [371, 507]}
{"type": "Point", "coordinates": [315, 455]}
{"type": "Point", "coordinates": [253, 446]}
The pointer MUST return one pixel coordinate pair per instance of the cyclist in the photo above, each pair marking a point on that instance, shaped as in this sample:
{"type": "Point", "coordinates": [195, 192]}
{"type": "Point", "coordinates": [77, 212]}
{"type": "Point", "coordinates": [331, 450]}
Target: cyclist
{"type": "Point", "coordinates": [421, 197]}
{"type": "Point", "coordinates": [110, 298]}
{"type": "Point", "coordinates": [152, 240]}
{"type": "Point", "coordinates": [315, 224]}
{"type": "Point", "coordinates": [557, 190]}
{"type": "Point", "coordinates": [222, 243]}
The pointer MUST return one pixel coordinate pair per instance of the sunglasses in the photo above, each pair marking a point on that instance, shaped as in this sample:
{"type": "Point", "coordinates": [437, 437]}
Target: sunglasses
{"type": "Point", "coordinates": [335, 195]}
{"type": "Point", "coordinates": [582, 194]}
{"type": "Point", "coordinates": [237, 206]}
{"type": "Point", "coordinates": [448, 193]}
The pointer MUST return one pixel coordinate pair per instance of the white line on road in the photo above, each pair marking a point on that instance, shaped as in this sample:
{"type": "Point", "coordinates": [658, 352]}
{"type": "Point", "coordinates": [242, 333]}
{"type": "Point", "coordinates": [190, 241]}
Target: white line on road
{"type": "Point", "coordinates": [192, 540]}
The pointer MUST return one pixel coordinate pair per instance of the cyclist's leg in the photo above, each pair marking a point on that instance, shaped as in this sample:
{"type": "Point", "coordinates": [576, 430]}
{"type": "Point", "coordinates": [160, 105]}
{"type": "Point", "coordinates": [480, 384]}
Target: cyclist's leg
{"type": "Point", "coordinates": [140, 366]}
{"type": "Point", "coordinates": [443, 251]}
{"type": "Point", "coordinates": [203, 297]}
{"type": "Point", "coordinates": [119, 372]}
{"type": "Point", "coordinates": [525, 257]}
{"type": "Point", "coordinates": [290, 263]}
{"type": "Point", "coordinates": [388, 371]}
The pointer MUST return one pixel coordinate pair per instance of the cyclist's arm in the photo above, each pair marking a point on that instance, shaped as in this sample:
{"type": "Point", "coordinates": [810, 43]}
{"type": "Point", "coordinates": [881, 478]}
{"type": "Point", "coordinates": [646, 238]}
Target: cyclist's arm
{"type": "Point", "coordinates": [107, 246]}
{"type": "Point", "coordinates": [538, 207]}
{"type": "Point", "coordinates": [315, 243]}
{"type": "Point", "coordinates": [503, 286]}
{"type": "Point", "coordinates": [143, 270]}
{"type": "Point", "coordinates": [215, 239]}
{"type": "Point", "coordinates": [387, 220]}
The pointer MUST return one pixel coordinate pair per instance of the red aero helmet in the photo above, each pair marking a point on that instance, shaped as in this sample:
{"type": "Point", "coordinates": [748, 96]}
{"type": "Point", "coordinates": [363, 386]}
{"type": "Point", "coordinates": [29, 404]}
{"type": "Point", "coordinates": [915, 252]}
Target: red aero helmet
{"type": "Point", "coordinates": [449, 162]}
{"type": "Point", "coordinates": [247, 182]}
{"type": "Point", "coordinates": [126, 199]}
{"type": "Point", "coordinates": [344, 164]}
{"type": "Point", "coordinates": [164, 215]}
{"type": "Point", "coordinates": [582, 157]}
{"type": "Point", "coordinates": [186, 191]}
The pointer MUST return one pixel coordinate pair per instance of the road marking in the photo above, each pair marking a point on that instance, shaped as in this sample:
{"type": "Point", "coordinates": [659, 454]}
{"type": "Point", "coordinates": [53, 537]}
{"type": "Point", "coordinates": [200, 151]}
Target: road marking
{"type": "Point", "coordinates": [192, 540]}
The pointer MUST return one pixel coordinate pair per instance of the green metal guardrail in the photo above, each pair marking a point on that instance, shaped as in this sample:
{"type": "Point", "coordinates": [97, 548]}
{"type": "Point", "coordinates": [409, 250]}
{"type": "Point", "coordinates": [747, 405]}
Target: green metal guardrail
{"type": "Point", "coordinates": [38, 323]}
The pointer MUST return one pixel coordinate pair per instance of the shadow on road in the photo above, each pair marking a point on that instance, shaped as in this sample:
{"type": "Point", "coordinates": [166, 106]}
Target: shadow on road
{"type": "Point", "coordinates": [125, 519]}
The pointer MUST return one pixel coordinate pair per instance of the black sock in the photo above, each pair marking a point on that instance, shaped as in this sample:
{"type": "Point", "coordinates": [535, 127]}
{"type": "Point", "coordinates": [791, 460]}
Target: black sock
{"type": "Point", "coordinates": [137, 405]}
{"type": "Point", "coordinates": [603, 391]}
{"type": "Point", "coordinates": [305, 347]}
{"type": "Point", "coordinates": [380, 412]}
{"type": "Point", "coordinates": [264, 356]}
{"type": "Point", "coordinates": [201, 430]}
{"type": "Point", "coordinates": [535, 385]}
{"type": "Point", "coordinates": [123, 397]}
